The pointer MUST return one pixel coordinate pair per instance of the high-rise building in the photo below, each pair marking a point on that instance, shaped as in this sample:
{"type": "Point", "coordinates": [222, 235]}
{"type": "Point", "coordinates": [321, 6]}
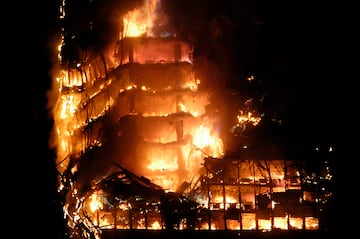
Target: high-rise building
{"type": "Point", "coordinates": [142, 145]}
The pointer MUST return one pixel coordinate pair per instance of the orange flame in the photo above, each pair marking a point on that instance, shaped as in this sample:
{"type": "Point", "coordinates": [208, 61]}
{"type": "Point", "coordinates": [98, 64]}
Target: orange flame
{"type": "Point", "coordinates": [140, 21]}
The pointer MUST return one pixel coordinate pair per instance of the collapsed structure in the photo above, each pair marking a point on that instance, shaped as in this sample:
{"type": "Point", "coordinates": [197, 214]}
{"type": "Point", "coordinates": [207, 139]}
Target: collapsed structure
{"type": "Point", "coordinates": [140, 147]}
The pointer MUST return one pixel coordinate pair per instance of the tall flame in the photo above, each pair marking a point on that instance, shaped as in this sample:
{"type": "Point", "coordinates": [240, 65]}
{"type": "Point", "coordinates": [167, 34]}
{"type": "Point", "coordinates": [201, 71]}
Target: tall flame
{"type": "Point", "coordinates": [140, 21]}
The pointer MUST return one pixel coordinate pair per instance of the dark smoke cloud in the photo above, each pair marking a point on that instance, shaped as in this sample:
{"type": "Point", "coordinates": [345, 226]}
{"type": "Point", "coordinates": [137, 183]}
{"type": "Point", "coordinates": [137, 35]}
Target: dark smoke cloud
{"type": "Point", "coordinates": [95, 24]}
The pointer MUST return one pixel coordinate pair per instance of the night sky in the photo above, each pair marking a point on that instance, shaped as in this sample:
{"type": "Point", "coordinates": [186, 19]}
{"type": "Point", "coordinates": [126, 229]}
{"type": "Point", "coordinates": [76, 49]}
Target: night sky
{"type": "Point", "coordinates": [292, 47]}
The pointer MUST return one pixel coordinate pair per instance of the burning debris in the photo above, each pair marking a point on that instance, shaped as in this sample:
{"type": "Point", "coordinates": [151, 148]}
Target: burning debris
{"type": "Point", "coordinates": [136, 107]}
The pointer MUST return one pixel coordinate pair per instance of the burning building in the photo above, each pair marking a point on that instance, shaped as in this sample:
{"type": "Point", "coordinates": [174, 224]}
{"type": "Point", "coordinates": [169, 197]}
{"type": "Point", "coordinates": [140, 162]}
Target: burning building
{"type": "Point", "coordinates": [140, 145]}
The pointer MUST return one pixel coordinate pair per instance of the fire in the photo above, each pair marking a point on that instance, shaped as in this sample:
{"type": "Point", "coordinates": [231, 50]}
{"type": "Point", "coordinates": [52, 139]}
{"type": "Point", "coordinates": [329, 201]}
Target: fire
{"type": "Point", "coordinates": [95, 203]}
{"type": "Point", "coordinates": [140, 21]}
{"type": "Point", "coordinates": [248, 117]}
{"type": "Point", "coordinates": [155, 226]}
{"type": "Point", "coordinates": [139, 105]}
{"type": "Point", "coordinates": [205, 140]}
{"type": "Point", "coordinates": [166, 162]}
{"type": "Point", "coordinates": [162, 164]}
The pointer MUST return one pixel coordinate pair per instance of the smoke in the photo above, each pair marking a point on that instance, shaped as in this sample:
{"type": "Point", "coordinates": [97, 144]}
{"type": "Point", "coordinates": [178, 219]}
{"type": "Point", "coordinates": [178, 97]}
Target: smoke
{"type": "Point", "coordinates": [226, 36]}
